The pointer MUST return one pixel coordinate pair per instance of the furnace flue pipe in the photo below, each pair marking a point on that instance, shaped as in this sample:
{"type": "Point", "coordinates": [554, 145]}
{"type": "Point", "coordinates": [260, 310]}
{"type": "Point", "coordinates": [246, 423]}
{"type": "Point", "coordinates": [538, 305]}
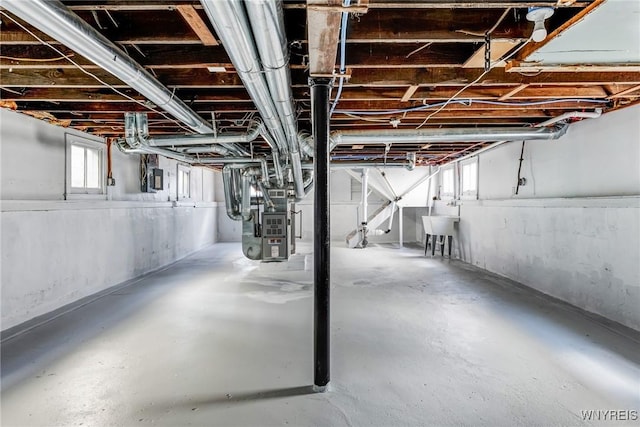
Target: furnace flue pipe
{"type": "Point", "coordinates": [320, 90]}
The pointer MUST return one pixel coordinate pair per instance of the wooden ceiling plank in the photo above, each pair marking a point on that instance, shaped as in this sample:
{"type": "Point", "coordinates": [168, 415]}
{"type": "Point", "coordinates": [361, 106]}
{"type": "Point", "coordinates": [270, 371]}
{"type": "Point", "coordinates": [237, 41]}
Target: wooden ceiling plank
{"type": "Point", "coordinates": [197, 24]}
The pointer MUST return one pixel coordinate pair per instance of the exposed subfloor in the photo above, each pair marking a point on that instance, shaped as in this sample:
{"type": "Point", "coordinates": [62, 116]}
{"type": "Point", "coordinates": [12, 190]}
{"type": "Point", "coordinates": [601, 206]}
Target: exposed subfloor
{"type": "Point", "coordinates": [217, 339]}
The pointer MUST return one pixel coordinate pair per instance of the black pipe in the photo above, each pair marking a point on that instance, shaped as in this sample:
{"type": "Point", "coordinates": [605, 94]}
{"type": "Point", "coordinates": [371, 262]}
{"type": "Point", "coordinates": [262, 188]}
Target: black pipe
{"type": "Point", "coordinates": [320, 91]}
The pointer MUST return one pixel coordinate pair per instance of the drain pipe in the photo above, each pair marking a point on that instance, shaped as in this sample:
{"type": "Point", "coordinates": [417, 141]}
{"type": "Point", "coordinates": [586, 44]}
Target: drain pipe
{"type": "Point", "coordinates": [55, 19]}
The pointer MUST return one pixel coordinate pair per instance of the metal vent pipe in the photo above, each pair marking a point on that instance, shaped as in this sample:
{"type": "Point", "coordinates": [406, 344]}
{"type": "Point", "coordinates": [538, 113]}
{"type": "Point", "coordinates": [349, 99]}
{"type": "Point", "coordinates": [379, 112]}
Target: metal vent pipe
{"type": "Point", "coordinates": [229, 19]}
{"type": "Point", "coordinates": [271, 94]}
{"type": "Point", "coordinates": [56, 20]}
{"type": "Point", "coordinates": [409, 136]}
{"type": "Point", "coordinates": [267, 21]}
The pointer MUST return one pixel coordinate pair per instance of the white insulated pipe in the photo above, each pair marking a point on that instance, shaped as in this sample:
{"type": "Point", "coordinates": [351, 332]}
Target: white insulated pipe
{"type": "Point", "coordinates": [365, 196]}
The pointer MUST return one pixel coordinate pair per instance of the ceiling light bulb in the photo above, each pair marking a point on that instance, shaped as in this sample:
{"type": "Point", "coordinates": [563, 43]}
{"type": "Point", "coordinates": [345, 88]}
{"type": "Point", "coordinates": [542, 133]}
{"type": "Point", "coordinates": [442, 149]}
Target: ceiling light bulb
{"type": "Point", "coordinates": [538, 15]}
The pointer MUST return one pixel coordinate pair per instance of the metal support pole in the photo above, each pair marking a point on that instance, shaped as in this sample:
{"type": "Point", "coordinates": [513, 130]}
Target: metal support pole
{"type": "Point", "coordinates": [400, 226]}
{"type": "Point", "coordinates": [320, 91]}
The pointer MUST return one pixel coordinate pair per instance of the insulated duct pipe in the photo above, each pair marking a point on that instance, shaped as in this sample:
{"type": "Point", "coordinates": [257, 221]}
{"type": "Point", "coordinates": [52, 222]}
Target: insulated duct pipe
{"type": "Point", "coordinates": [231, 193]}
{"type": "Point", "coordinates": [56, 20]}
{"type": "Point", "coordinates": [222, 138]}
{"type": "Point", "coordinates": [358, 165]}
{"type": "Point", "coordinates": [232, 162]}
{"type": "Point", "coordinates": [230, 21]}
{"type": "Point", "coordinates": [271, 95]}
{"type": "Point", "coordinates": [246, 196]}
{"type": "Point", "coordinates": [267, 22]}
{"type": "Point", "coordinates": [408, 136]}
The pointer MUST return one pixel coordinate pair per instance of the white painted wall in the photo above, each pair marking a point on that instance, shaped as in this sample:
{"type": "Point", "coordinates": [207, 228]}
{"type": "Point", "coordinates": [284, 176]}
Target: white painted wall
{"type": "Point", "coordinates": [56, 251]}
{"type": "Point", "coordinates": [573, 232]}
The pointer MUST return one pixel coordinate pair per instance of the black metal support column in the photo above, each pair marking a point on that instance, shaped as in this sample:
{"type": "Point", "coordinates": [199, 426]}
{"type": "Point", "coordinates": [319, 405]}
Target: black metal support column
{"type": "Point", "coordinates": [320, 91]}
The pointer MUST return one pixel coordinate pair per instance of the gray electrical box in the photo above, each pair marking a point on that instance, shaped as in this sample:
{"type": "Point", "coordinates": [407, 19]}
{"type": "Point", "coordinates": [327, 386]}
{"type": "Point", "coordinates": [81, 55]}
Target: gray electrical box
{"type": "Point", "coordinates": [275, 228]}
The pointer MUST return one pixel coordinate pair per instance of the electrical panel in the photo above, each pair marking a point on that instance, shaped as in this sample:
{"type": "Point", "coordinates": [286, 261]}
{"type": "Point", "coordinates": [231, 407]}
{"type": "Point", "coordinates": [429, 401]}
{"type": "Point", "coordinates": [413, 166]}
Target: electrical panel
{"type": "Point", "coordinates": [151, 177]}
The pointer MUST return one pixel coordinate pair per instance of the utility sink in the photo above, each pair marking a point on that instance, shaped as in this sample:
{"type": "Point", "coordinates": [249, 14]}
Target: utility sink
{"type": "Point", "coordinates": [439, 225]}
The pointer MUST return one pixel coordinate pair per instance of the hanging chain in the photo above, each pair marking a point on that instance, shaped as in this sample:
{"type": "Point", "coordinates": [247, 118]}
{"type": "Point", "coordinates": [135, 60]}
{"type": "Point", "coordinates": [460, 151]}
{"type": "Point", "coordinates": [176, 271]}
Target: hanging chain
{"type": "Point", "coordinates": [487, 51]}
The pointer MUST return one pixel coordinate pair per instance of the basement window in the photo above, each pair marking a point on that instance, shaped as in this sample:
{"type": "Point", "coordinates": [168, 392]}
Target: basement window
{"type": "Point", "coordinates": [447, 189]}
{"type": "Point", "coordinates": [469, 179]}
{"type": "Point", "coordinates": [184, 182]}
{"type": "Point", "coordinates": [84, 167]}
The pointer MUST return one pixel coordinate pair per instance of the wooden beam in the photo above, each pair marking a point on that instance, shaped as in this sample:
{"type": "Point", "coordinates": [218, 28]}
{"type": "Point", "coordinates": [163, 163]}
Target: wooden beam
{"type": "Point", "coordinates": [323, 27]}
{"type": "Point", "coordinates": [437, 25]}
{"type": "Point", "coordinates": [197, 24]}
{"type": "Point", "coordinates": [531, 67]}
{"type": "Point", "coordinates": [455, 77]}
{"type": "Point", "coordinates": [533, 47]}
{"type": "Point", "coordinates": [513, 92]}
{"type": "Point", "coordinates": [468, 4]}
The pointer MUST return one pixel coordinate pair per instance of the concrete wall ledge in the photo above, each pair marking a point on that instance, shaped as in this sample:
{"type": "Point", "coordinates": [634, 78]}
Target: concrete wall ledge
{"type": "Point", "coordinates": [560, 202]}
{"type": "Point", "coordinates": [73, 205]}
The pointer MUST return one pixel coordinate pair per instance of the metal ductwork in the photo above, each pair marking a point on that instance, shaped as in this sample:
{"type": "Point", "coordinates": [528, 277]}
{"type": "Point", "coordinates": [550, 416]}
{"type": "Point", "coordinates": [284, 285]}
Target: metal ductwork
{"type": "Point", "coordinates": [267, 82]}
{"type": "Point", "coordinates": [267, 21]}
{"type": "Point", "coordinates": [420, 136]}
{"type": "Point", "coordinates": [55, 19]}
{"type": "Point", "coordinates": [230, 21]}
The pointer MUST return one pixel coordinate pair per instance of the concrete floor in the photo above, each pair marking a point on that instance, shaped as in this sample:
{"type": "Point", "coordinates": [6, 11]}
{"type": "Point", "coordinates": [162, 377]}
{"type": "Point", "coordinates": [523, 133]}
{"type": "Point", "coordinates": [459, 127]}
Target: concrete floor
{"type": "Point", "coordinates": [217, 339]}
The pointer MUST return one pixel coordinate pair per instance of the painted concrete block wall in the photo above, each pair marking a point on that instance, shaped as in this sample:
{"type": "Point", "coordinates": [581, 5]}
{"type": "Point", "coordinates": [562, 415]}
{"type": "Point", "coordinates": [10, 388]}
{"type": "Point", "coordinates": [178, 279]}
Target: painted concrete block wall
{"type": "Point", "coordinates": [55, 251]}
{"type": "Point", "coordinates": [573, 231]}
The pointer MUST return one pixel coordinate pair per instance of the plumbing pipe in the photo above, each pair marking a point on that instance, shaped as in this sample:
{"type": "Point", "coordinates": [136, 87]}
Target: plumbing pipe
{"type": "Point", "coordinates": [55, 19]}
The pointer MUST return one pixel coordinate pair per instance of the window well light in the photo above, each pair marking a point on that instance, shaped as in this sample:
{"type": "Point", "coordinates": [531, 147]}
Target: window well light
{"type": "Point", "coordinates": [538, 15]}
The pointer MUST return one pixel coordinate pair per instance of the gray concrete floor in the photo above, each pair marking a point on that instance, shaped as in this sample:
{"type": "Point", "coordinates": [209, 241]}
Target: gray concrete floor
{"type": "Point", "coordinates": [217, 339]}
